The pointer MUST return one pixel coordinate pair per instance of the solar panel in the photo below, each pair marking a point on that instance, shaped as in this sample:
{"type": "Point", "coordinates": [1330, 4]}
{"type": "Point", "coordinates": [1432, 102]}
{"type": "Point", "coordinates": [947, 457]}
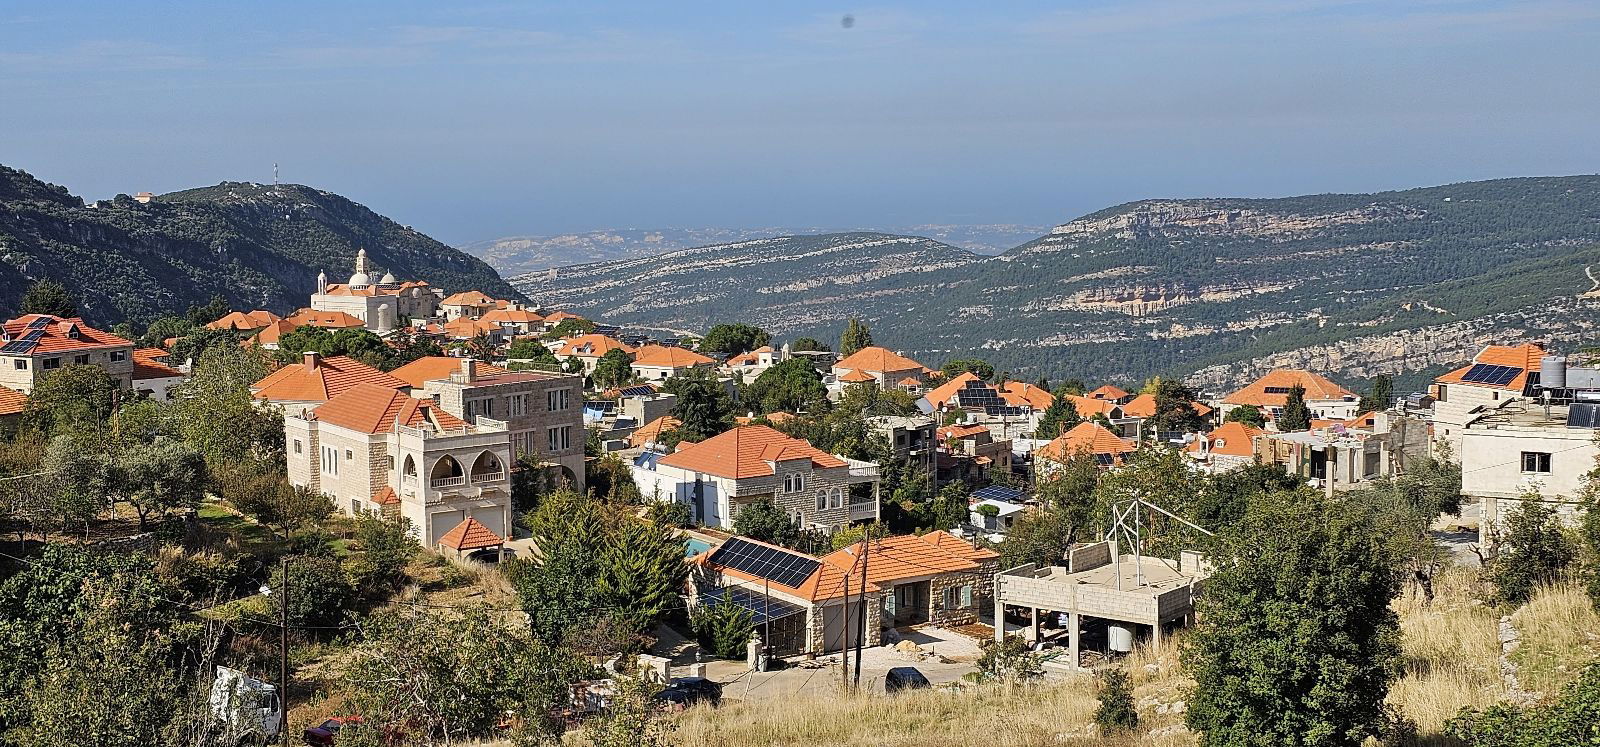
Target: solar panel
{"type": "Point", "coordinates": [1493, 375]}
{"type": "Point", "coordinates": [1104, 460]}
{"type": "Point", "coordinates": [778, 566]}
{"type": "Point", "coordinates": [19, 346]}
{"type": "Point", "coordinates": [40, 323]}
{"type": "Point", "coordinates": [998, 493]}
{"type": "Point", "coordinates": [638, 391]}
{"type": "Point", "coordinates": [33, 336]}
{"type": "Point", "coordinates": [1583, 415]}
{"type": "Point", "coordinates": [1010, 411]}
{"type": "Point", "coordinates": [762, 608]}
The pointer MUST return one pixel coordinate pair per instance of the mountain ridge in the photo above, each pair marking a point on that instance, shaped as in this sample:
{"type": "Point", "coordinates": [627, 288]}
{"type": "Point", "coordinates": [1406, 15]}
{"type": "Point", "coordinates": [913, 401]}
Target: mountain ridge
{"type": "Point", "coordinates": [256, 245]}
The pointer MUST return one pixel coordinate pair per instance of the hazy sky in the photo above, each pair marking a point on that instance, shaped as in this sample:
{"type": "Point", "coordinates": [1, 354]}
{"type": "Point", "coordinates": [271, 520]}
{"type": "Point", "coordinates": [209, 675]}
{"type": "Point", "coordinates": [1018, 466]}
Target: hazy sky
{"type": "Point", "coordinates": [471, 120]}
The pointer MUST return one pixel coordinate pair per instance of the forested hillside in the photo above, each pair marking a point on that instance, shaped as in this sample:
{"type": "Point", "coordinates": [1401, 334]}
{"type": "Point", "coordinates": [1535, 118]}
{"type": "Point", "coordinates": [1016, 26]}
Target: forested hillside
{"type": "Point", "coordinates": [1177, 286]}
{"type": "Point", "coordinates": [258, 246]}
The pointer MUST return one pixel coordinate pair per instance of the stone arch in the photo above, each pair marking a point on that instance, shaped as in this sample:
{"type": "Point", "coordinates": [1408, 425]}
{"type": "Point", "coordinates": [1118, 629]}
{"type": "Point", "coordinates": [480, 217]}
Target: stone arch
{"type": "Point", "coordinates": [409, 468]}
{"type": "Point", "coordinates": [488, 463]}
{"type": "Point", "coordinates": [446, 468]}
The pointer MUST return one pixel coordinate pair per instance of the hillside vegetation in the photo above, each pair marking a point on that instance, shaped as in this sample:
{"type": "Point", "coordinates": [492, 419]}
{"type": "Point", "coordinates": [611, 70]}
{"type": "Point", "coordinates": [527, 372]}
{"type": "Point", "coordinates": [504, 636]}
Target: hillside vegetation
{"type": "Point", "coordinates": [1165, 286]}
{"type": "Point", "coordinates": [256, 245]}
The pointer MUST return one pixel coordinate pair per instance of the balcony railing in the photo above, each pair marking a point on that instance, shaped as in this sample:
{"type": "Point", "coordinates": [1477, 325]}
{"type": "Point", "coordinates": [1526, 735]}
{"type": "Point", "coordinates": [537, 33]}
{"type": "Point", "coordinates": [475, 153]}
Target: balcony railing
{"type": "Point", "coordinates": [410, 480]}
{"type": "Point", "coordinates": [448, 482]}
{"type": "Point", "coordinates": [488, 476]}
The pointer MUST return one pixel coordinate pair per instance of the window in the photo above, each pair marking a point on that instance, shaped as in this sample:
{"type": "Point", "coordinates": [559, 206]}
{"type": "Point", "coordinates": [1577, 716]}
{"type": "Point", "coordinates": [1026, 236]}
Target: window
{"type": "Point", "coordinates": [349, 455]}
{"type": "Point", "coordinates": [822, 500]}
{"type": "Point", "coordinates": [22, 364]}
{"type": "Point", "coordinates": [518, 404]}
{"type": "Point", "coordinates": [330, 460]}
{"type": "Point", "coordinates": [476, 407]}
{"type": "Point", "coordinates": [355, 506]}
{"type": "Point", "coordinates": [80, 360]}
{"type": "Point", "coordinates": [1443, 394]}
{"type": "Point", "coordinates": [795, 483]}
{"type": "Point", "coordinates": [51, 363]}
{"type": "Point", "coordinates": [1535, 461]}
{"type": "Point", "coordinates": [557, 400]}
{"type": "Point", "coordinates": [559, 438]}
{"type": "Point", "coordinates": [117, 356]}
{"type": "Point", "coordinates": [836, 498]}
{"type": "Point", "coordinates": [297, 446]}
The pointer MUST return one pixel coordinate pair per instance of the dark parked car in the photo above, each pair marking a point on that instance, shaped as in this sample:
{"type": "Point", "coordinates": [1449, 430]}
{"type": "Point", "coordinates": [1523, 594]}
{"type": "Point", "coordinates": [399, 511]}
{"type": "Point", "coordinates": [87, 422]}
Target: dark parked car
{"type": "Point", "coordinates": [324, 734]}
{"type": "Point", "coordinates": [684, 692]}
{"type": "Point", "coordinates": [904, 678]}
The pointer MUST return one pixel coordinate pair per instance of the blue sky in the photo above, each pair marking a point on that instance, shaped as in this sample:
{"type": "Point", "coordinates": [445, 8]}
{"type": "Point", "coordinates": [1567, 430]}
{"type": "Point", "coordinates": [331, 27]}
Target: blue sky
{"type": "Point", "coordinates": [471, 120]}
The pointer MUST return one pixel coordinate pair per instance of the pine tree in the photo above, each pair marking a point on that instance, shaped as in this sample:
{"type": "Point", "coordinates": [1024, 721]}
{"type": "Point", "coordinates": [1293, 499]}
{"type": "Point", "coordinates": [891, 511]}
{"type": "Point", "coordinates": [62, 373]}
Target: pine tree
{"type": "Point", "coordinates": [1116, 711]}
{"type": "Point", "coordinates": [703, 405]}
{"type": "Point", "coordinates": [857, 335]}
{"type": "Point", "coordinates": [1058, 418]}
{"type": "Point", "coordinates": [49, 297]}
{"type": "Point", "coordinates": [1296, 416]}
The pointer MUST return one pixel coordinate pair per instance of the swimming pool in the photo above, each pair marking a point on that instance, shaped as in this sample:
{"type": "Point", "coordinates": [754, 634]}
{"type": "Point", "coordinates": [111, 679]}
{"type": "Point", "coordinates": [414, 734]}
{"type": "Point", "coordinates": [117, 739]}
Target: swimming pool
{"type": "Point", "coordinates": [696, 546]}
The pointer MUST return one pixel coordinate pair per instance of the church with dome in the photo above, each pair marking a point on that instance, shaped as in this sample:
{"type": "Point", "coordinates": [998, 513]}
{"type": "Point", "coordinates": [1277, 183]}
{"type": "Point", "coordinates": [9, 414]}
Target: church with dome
{"type": "Point", "coordinates": [383, 304]}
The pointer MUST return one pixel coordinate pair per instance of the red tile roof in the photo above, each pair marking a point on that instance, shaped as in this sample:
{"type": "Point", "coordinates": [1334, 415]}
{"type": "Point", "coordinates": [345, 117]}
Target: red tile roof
{"type": "Point", "coordinates": [592, 346]}
{"type": "Point", "coordinates": [370, 408]}
{"type": "Point", "coordinates": [429, 368]}
{"type": "Point", "coordinates": [942, 393]}
{"type": "Point", "coordinates": [468, 298]}
{"type": "Point", "coordinates": [1107, 391]}
{"type": "Point", "coordinates": [751, 358]}
{"type": "Point", "coordinates": [825, 583]}
{"type": "Point", "coordinates": [960, 430]}
{"type": "Point", "coordinates": [856, 377]}
{"type": "Point", "coordinates": [512, 316]}
{"type": "Point", "coordinates": [245, 320]}
{"type": "Point", "coordinates": [1525, 357]}
{"type": "Point", "coordinates": [329, 378]}
{"type": "Point", "coordinates": [745, 451]}
{"type": "Point", "coordinates": [560, 316]}
{"type": "Point", "coordinates": [652, 430]}
{"type": "Point", "coordinates": [775, 418]}
{"type": "Point", "coordinates": [1086, 436]}
{"type": "Point", "coordinates": [894, 558]}
{"type": "Point", "coordinates": [386, 497]}
{"type": "Point", "coordinates": [878, 360]}
{"type": "Point", "coordinates": [151, 363]}
{"type": "Point", "coordinates": [61, 334]}
{"type": "Point", "coordinates": [1021, 393]}
{"type": "Point", "coordinates": [668, 357]}
{"type": "Point", "coordinates": [1317, 387]}
{"type": "Point", "coordinates": [953, 544]}
{"type": "Point", "coordinates": [1232, 439]}
{"type": "Point", "coordinates": [470, 534]}
{"type": "Point", "coordinates": [328, 319]}
{"type": "Point", "coordinates": [1144, 406]}
{"type": "Point", "coordinates": [12, 401]}
{"type": "Point", "coordinates": [1089, 407]}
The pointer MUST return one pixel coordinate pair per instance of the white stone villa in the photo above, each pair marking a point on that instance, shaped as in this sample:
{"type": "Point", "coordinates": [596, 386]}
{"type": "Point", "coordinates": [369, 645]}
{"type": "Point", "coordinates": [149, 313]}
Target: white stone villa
{"type": "Point", "coordinates": [374, 449]}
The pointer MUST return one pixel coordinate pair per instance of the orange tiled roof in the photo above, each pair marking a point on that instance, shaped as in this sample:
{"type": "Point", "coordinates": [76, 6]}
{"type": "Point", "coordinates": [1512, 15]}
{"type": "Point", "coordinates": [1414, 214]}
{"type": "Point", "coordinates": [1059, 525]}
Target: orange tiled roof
{"type": "Point", "coordinates": [857, 377]}
{"type": "Point", "coordinates": [1089, 407]}
{"type": "Point", "coordinates": [1317, 387]}
{"type": "Point", "coordinates": [910, 381]}
{"type": "Point", "coordinates": [150, 363]}
{"type": "Point", "coordinates": [12, 401]}
{"type": "Point", "coordinates": [775, 418]}
{"type": "Point", "coordinates": [668, 357]}
{"type": "Point", "coordinates": [1231, 439]}
{"type": "Point", "coordinates": [245, 320]}
{"type": "Point", "coordinates": [470, 534]}
{"type": "Point", "coordinates": [1107, 391]}
{"type": "Point", "coordinates": [1144, 406]}
{"type": "Point", "coordinates": [468, 298]}
{"type": "Point", "coordinates": [371, 408]}
{"type": "Point", "coordinates": [652, 430]}
{"type": "Point", "coordinates": [61, 334]}
{"type": "Point", "coordinates": [960, 431]}
{"type": "Point", "coordinates": [560, 316]}
{"type": "Point", "coordinates": [328, 319]}
{"type": "Point", "coordinates": [950, 543]}
{"type": "Point", "coordinates": [827, 582]}
{"type": "Point", "coordinates": [751, 358]}
{"type": "Point", "coordinates": [1525, 357]}
{"type": "Point", "coordinates": [895, 558]}
{"type": "Point", "coordinates": [744, 452]}
{"type": "Point", "coordinates": [1085, 436]}
{"type": "Point", "coordinates": [343, 289]}
{"type": "Point", "coordinates": [429, 368]}
{"type": "Point", "coordinates": [386, 497]}
{"type": "Point", "coordinates": [512, 316]}
{"type": "Point", "coordinates": [1021, 393]}
{"type": "Point", "coordinates": [331, 377]}
{"type": "Point", "coordinates": [270, 334]}
{"type": "Point", "coordinates": [464, 328]}
{"type": "Point", "coordinates": [878, 360]}
{"type": "Point", "coordinates": [942, 393]}
{"type": "Point", "coordinates": [595, 345]}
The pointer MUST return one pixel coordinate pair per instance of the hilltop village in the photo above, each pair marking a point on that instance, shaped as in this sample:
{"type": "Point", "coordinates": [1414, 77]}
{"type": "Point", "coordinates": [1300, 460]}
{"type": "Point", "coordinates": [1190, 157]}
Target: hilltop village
{"type": "Point", "coordinates": [389, 469]}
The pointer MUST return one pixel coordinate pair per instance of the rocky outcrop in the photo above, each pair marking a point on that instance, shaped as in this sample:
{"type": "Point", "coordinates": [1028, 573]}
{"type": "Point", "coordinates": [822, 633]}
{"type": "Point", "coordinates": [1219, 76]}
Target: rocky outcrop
{"type": "Point", "coordinates": [1171, 218]}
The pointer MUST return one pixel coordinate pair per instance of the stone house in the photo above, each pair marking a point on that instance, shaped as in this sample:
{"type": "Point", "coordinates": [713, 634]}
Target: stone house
{"type": "Point", "coordinates": [802, 604]}
{"type": "Point", "coordinates": [659, 362]}
{"type": "Point", "coordinates": [1269, 393]}
{"type": "Point", "coordinates": [923, 579]}
{"type": "Point", "coordinates": [721, 475]}
{"type": "Point", "coordinates": [301, 386]}
{"type": "Point", "coordinates": [374, 449]}
{"type": "Point", "coordinates": [1226, 447]}
{"type": "Point", "coordinates": [542, 412]}
{"type": "Point", "coordinates": [880, 366]}
{"type": "Point", "coordinates": [33, 345]}
{"type": "Point", "coordinates": [1496, 374]}
{"type": "Point", "coordinates": [589, 349]}
{"type": "Point", "coordinates": [467, 304]}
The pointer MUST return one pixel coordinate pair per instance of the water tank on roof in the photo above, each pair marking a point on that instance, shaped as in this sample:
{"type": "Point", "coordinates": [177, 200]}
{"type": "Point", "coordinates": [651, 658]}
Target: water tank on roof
{"type": "Point", "coordinates": [1553, 372]}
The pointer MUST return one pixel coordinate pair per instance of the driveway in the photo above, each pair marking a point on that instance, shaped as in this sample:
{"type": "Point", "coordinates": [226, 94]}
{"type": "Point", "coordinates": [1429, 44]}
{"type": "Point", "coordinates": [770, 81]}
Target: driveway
{"type": "Point", "coordinates": [941, 655]}
{"type": "Point", "coordinates": [1460, 533]}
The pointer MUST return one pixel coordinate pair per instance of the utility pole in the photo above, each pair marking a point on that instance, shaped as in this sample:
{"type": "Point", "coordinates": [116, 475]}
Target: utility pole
{"type": "Point", "coordinates": [861, 604]}
{"type": "Point", "coordinates": [283, 651]}
{"type": "Point", "coordinates": [844, 650]}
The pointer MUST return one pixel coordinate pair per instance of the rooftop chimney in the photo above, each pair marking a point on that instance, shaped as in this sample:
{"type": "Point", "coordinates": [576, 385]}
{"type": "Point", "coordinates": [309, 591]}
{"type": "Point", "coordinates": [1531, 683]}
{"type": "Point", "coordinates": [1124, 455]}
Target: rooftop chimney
{"type": "Point", "coordinates": [469, 370]}
{"type": "Point", "coordinates": [312, 359]}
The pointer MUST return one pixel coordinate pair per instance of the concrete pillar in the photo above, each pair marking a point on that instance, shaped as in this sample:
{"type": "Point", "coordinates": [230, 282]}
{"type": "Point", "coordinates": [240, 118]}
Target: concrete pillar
{"type": "Point", "coordinates": [999, 617]}
{"type": "Point", "coordinates": [1155, 636]}
{"type": "Point", "coordinates": [1035, 623]}
{"type": "Point", "coordinates": [1074, 619]}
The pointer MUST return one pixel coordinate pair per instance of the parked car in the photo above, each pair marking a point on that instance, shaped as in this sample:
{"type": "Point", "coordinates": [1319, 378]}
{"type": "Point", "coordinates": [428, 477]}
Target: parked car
{"type": "Point", "coordinates": [324, 734]}
{"type": "Point", "coordinates": [684, 692]}
{"type": "Point", "coordinates": [904, 678]}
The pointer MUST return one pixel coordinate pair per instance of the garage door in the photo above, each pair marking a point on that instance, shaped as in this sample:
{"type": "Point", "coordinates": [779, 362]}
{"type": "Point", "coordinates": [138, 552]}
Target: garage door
{"type": "Point", "coordinates": [834, 627]}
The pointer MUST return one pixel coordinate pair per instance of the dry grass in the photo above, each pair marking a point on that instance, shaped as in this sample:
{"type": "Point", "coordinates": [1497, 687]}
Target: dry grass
{"type": "Point", "coordinates": [1560, 635]}
{"type": "Point", "coordinates": [1450, 652]}
{"type": "Point", "coordinates": [1053, 713]}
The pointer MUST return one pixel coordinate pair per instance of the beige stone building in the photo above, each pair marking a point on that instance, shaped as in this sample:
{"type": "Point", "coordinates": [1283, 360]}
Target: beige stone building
{"type": "Point", "coordinates": [34, 345]}
{"type": "Point", "coordinates": [1496, 374]}
{"type": "Point", "coordinates": [1519, 450]}
{"type": "Point", "coordinates": [374, 449]}
{"type": "Point", "coordinates": [542, 412]}
{"type": "Point", "coordinates": [382, 304]}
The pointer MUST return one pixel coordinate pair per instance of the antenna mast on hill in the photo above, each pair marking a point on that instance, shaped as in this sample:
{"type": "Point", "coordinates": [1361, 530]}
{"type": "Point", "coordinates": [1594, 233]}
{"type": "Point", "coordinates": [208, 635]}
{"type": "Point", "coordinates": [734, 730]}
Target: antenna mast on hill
{"type": "Point", "coordinates": [274, 174]}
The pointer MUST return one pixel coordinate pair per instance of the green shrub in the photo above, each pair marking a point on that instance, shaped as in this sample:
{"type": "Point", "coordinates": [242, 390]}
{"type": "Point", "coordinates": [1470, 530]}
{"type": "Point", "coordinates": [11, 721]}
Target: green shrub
{"type": "Point", "coordinates": [723, 628]}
